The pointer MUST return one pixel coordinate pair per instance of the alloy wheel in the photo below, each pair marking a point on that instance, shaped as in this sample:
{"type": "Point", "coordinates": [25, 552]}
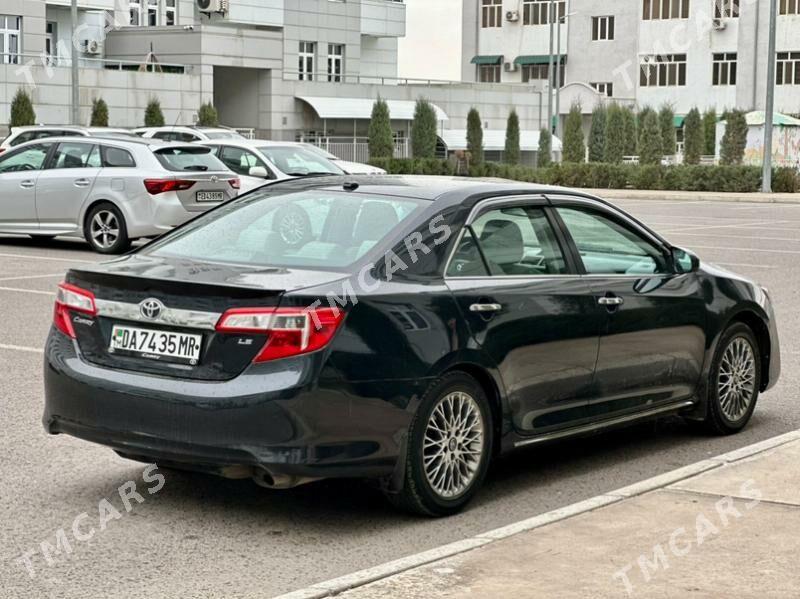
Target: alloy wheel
{"type": "Point", "coordinates": [453, 444]}
{"type": "Point", "coordinates": [104, 229]}
{"type": "Point", "coordinates": [737, 378]}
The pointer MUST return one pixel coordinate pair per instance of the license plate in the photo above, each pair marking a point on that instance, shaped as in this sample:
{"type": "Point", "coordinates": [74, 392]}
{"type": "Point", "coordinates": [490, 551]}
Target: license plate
{"type": "Point", "coordinates": [210, 196]}
{"type": "Point", "coordinates": [156, 345]}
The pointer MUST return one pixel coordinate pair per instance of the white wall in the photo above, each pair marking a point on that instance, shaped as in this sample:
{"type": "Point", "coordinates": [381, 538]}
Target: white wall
{"type": "Point", "coordinates": [431, 48]}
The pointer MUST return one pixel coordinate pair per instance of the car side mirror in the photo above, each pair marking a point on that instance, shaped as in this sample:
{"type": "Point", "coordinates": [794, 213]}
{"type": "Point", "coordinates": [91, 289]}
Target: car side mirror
{"type": "Point", "coordinates": [258, 171]}
{"type": "Point", "coordinates": [684, 261]}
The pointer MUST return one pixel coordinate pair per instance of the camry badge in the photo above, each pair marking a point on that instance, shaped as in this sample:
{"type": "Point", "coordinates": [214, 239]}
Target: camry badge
{"type": "Point", "coordinates": [151, 309]}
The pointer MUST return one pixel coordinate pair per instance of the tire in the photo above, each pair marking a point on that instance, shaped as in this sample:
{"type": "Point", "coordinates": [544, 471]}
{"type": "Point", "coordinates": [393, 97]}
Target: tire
{"type": "Point", "coordinates": [424, 492]}
{"type": "Point", "coordinates": [293, 225]}
{"type": "Point", "coordinates": [105, 229]}
{"type": "Point", "coordinates": [728, 413]}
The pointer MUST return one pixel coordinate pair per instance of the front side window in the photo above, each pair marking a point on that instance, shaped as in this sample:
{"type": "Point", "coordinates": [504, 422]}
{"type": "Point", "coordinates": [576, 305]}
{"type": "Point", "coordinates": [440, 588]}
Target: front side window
{"type": "Point", "coordinates": [296, 161]}
{"type": "Point", "coordinates": [491, 13]}
{"type": "Point", "coordinates": [335, 62]}
{"type": "Point", "coordinates": [239, 160]}
{"type": "Point", "coordinates": [314, 229]}
{"type": "Point", "coordinates": [306, 61]}
{"type": "Point", "coordinates": [10, 29]}
{"type": "Point", "coordinates": [607, 247]}
{"type": "Point", "coordinates": [74, 155]}
{"type": "Point", "coordinates": [512, 241]}
{"type": "Point", "coordinates": [27, 159]}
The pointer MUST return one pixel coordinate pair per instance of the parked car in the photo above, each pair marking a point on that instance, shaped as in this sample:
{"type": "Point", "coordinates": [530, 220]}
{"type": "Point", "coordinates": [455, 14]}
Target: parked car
{"type": "Point", "coordinates": [20, 135]}
{"type": "Point", "coordinates": [180, 133]}
{"type": "Point", "coordinates": [429, 325]}
{"type": "Point", "coordinates": [350, 168]}
{"type": "Point", "coordinates": [257, 161]}
{"type": "Point", "coordinates": [108, 190]}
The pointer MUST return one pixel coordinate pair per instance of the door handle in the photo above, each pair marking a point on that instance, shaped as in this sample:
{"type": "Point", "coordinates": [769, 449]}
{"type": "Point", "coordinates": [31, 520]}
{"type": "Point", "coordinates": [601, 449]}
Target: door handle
{"type": "Point", "coordinates": [611, 301]}
{"type": "Point", "coordinates": [81, 182]}
{"type": "Point", "coordinates": [27, 184]}
{"type": "Point", "coordinates": [485, 307]}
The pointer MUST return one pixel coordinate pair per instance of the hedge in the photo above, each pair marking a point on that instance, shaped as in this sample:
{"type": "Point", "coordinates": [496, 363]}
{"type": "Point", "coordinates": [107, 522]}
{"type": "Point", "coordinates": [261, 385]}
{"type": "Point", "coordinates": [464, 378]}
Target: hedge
{"type": "Point", "coordinates": [741, 179]}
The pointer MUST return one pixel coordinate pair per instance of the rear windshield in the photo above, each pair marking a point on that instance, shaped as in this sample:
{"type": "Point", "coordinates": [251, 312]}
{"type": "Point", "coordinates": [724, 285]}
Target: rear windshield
{"type": "Point", "coordinates": [317, 229]}
{"type": "Point", "coordinates": [197, 158]}
{"type": "Point", "coordinates": [298, 161]}
{"type": "Point", "coordinates": [223, 135]}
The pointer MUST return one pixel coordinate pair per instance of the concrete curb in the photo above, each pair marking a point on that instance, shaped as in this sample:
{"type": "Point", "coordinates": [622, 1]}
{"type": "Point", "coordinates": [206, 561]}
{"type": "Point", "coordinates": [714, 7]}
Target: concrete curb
{"type": "Point", "coordinates": [695, 196]}
{"type": "Point", "coordinates": [339, 585]}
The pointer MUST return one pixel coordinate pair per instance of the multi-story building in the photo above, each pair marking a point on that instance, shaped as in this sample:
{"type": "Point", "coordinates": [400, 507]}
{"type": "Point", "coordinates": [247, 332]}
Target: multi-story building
{"type": "Point", "coordinates": [705, 53]}
{"type": "Point", "coordinates": [283, 68]}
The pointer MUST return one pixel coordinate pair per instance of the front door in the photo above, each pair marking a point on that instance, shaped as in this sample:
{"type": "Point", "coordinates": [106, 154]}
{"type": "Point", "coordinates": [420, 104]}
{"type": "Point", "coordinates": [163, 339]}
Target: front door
{"type": "Point", "coordinates": [19, 173]}
{"type": "Point", "coordinates": [535, 319]}
{"type": "Point", "coordinates": [653, 341]}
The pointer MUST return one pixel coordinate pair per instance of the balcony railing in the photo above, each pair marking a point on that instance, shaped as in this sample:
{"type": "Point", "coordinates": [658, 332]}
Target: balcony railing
{"type": "Point", "coordinates": [21, 59]}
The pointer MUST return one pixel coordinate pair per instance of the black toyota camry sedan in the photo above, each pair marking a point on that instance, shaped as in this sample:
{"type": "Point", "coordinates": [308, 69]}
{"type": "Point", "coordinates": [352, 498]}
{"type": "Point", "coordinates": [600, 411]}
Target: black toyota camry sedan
{"type": "Point", "coordinates": [403, 329]}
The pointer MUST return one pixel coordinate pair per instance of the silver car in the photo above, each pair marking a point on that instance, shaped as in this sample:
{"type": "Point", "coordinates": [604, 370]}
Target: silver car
{"type": "Point", "coordinates": [20, 135]}
{"type": "Point", "coordinates": [109, 191]}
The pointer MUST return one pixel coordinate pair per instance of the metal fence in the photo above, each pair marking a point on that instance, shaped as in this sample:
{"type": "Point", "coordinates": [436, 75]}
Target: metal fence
{"type": "Point", "coordinates": [353, 149]}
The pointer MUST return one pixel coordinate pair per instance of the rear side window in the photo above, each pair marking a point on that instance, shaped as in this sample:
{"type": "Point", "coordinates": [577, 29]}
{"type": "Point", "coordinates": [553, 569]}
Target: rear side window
{"type": "Point", "coordinates": [72, 154]}
{"type": "Point", "coordinates": [314, 229]}
{"type": "Point", "coordinates": [26, 159]}
{"type": "Point", "coordinates": [198, 158]}
{"type": "Point", "coordinates": [117, 157]}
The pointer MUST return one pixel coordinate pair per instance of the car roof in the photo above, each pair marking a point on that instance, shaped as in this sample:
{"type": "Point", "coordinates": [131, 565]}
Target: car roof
{"type": "Point", "coordinates": [250, 143]}
{"type": "Point", "coordinates": [116, 139]}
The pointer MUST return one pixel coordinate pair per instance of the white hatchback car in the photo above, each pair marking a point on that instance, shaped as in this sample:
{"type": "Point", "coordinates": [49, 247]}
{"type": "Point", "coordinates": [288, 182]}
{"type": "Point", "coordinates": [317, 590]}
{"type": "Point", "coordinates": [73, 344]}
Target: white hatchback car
{"type": "Point", "coordinates": [258, 161]}
{"type": "Point", "coordinates": [21, 135]}
{"type": "Point", "coordinates": [108, 190]}
{"type": "Point", "coordinates": [181, 133]}
{"type": "Point", "coordinates": [350, 168]}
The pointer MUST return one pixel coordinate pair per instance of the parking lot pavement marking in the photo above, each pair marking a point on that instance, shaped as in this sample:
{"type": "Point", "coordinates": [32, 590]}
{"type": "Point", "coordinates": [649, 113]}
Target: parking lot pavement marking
{"type": "Point", "coordinates": [27, 277]}
{"type": "Point", "coordinates": [34, 350]}
{"type": "Point", "coordinates": [757, 237]}
{"type": "Point", "coordinates": [735, 249]}
{"type": "Point", "coordinates": [34, 291]}
{"type": "Point", "coordinates": [740, 265]}
{"type": "Point", "coordinates": [757, 225]}
{"type": "Point", "coordinates": [34, 257]}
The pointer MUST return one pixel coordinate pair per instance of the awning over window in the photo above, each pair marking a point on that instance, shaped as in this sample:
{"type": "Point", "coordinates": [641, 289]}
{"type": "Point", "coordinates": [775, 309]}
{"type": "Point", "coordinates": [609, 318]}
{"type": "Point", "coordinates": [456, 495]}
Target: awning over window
{"type": "Point", "coordinates": [487, 60]}
{"type": "Point", "coordinates": [361, 108]}
{"type": "Point", "coordinates": [537, 59]}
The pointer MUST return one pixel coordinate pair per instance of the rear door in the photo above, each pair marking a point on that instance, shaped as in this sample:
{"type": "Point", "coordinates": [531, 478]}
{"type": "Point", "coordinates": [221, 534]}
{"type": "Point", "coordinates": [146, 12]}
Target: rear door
{"type": "Point", "coordinates": [529, 310]}
{"type": "Point", "coordinates": [653, 339]}
{"type": "Point", "coordinates": [206, 180]}
{"type": "Point", "coordinates": [19, 172]}
{"type": "Point", "coordinates": [66, 183]}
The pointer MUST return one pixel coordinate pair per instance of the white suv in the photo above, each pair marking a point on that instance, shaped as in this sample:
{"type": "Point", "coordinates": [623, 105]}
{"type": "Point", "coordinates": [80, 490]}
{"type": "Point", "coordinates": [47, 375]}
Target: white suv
{"type": "Point", "coordinates": [180, 133]}
{"type": "Point", "coordinates": [108, 190]}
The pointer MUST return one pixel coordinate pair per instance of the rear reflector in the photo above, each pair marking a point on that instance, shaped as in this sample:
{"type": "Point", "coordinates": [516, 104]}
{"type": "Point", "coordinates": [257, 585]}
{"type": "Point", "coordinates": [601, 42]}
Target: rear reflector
{"type": "Point", "coordinates": [290, 331]}
{"type": "Point", "coordinates": [71, 298]}
{"type": "Point", "coordinates": [157, 186]}
{"type": "Point", "coordinates": [235, 183]}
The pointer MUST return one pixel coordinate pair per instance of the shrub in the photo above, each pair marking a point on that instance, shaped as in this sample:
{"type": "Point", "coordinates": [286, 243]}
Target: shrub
{"type": "Point", "coordinates": [153, 117]}
{"type": "Point", "coordinates": [423, 130]}
{"type": "Point", "coordinates": [381, 141]}
{"type": "Point", "coordinates": [669, 142]}
{"type": "Point", "coordinates": [631, 134]}
{"type": "Point", "coordinates": [785, 180]}
{"type": "Point", "coordinates": [22, 113]}
{"type": "Point", "coordinates": [650, 146]}
{"type": "Point", "coordinates": [545, 155]}
{"type": "Point", "coordinates": [614, 149]}
{"type": "Point", "coordinates": [710, 132]}
{"type": "Point", "coordinates": [207, 116]}
{"type": "Point", "coordinates": [598, 133]}
{"type": "Point", "coordinates": [693, 137]}
{"type": "Point", "coordinates": [99, 113]}
{"type": "Point", "coordinates": [475, 136]}
{"type": "Point", "coordinates": [574, 147]}
{"type": "Point", "coordinates": [735, 139]}
{"type": "Point", "coordinates": [512, 152]}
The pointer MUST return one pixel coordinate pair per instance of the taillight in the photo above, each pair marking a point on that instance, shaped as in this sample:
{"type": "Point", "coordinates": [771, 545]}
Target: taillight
{"type": "Point", "coordinates": [71, 298]}
{"type": "Point", "coordinates": [157, 186]}
{"type": "Point", "coordinates": [289, 331]}
{"type": "Point", "coordinates": [235, 183]}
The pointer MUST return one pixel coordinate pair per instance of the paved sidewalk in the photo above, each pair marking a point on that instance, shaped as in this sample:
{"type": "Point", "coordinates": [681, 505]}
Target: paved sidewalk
{"type": "Point", "coordinates": [695, 196]}
{"type": "Point", "coordinates": [725, 527]}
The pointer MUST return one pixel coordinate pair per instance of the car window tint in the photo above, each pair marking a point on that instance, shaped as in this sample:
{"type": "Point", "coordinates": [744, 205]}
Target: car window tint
{"type": "Point", "coordinates": [165, 135]}
{"type": "Point", "coordinates": [519, 241]}
{"type": "Point", "coordinates": [297, 161]}
{"type": "Point", "coordinates": [23, 137]}
{"type": "Point", "coordinates": [27, 159]}
{"type": "Point", "coordinates": [466, 260]}
{"type": "Point", "coordinates": [608, 247]}
{"type": "Point", "coordinates": [72, 155]}
{"type": "Point", "coordinates": [196, 158]}
{"type": "Point", "coordinates": [239, 160]}
{"type": "Point", "coordinates": [94, 160]}
{"type": "Point", "coordinates": [316, 229]}
{"type": "Point", "coordinates": [117, 157]}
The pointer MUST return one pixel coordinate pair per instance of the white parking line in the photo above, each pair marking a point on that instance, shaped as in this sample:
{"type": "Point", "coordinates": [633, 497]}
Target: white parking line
{"type": "Point", "coordinates": [31, 257]}
{"type": "Point", "coordinates": [756, 225]}
{"type": "Point", "coordinates": [27, 277]}
{"type": "Point", "coordinates": [730, 249]}
{"type": "Point", "coordinates": [757, 237]}
{"type": "Point", "coordinates": [33, 291]}
{"type": "Point", "coordinates": [33, 350]}
{"type": "Point", "coordinates": [740, 265]}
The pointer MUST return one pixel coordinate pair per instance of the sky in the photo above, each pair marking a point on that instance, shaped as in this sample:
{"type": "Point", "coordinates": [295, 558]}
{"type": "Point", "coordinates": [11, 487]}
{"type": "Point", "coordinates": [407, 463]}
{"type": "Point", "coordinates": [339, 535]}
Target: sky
{"type": "Point", "coordinates": [432, 46]}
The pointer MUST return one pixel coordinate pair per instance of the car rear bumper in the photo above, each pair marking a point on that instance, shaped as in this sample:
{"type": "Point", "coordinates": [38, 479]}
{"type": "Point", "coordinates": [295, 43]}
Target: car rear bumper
{"type": "Point", "coordinates": [271, 418]}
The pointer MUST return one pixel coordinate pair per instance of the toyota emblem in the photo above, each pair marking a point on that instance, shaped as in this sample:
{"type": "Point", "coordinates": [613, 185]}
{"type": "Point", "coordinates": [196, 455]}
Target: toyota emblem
{"type": "Point", "coordinates": [151, 309]}
{"type": "Point", "coordinates": [214, 178]}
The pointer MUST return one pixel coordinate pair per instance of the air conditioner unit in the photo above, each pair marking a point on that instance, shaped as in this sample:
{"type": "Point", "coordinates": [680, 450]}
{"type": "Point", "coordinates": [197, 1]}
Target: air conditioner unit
{"type": "Point", "coordinates": [92, 46]}
{"type": "Point", "coordinates": [512, 16]}
{"type": "Point", "coordinates": [510, 67]}
{"type": "Point", "coordinates": [719, 24]}
{"type": "Point", "coordinates": [209, 6]}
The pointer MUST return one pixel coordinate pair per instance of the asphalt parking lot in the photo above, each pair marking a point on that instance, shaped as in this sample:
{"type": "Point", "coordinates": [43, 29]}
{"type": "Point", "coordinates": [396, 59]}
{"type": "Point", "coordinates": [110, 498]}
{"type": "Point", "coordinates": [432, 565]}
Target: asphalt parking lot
{"type": "Point", "coordinates": [201, 536]}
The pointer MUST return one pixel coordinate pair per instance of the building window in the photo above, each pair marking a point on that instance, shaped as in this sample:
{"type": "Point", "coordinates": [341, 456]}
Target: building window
{"type": "Point", "coordinates": [663, 71]}
{"type": "Point", "coordinates": [50, 43]}
{"type": "Point", "coordinates": [726, 9]}
{"type": "Point", "coordinates": [147, 13]}
{"type": "Point", "coordinates": [306, 66]}
{"type": "Point", "coordinates": [602, 28]}
{"type": "Point", "coordinates": [335, 62]}
{"type": "Point", "coordinates": [788, 72]}
{"type": "Point", "coordinates": [10, 28]}
{"type": "Point", "coordinates": [665, 9]}
{"type": "Point", "coordinates": [537, 12]}
{"type": "Point", "coordinates": [607, 89]}
{"type": "Point", "coordinates": [170, 13]}
{"type": "Point", "coordinates": [152, 13]}
{"type": "Point", "coordinates": [489, 73]}
{"type": "Point", "coordinates": [491, 13]}
{"type": "Point", "coordinates": [539, 72]}
{"type": "Point", "coordinates": [790, 7]}
{"type": "Point", "coordinates": [136, 13]}
{"type": "Point", "coordinates": [724, 69]}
